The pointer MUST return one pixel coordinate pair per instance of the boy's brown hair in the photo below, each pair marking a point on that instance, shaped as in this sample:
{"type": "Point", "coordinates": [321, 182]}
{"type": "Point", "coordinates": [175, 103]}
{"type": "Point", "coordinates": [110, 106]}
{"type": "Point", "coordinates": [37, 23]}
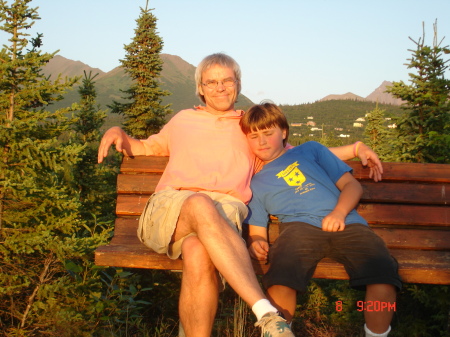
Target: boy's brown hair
{"type": "Point", "coordinates": [264, 116]}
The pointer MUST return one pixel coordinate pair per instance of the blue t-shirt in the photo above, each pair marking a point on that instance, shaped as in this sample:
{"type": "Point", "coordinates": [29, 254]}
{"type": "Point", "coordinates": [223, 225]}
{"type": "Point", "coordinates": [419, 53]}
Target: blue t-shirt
{"type": "Point", "coordinates": [299, 186]}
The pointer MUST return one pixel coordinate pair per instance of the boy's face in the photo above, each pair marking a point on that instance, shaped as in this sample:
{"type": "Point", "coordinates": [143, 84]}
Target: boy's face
{"type": "Point", "coordinates": [267, 144]}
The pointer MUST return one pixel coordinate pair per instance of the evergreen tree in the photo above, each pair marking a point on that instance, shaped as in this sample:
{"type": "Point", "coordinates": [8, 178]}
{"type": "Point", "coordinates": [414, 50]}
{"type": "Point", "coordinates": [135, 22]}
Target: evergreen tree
{"type": "Point", "coordinates": [106, 296]}
{"type": "Point", "coordinates": [36, 209]}
{"type": "Point", "coordinates": [48, 284]}
{"type": "Point", "coordinates": [378, 136]}
{"type": "Point", "coordinates": [90, 117]}
{"type": "Point", "coordinates": [144, 113]}
{"type": "Point", "coordinates": [95, 183]}
{"type": "Point", "coordinates": [424, 130]}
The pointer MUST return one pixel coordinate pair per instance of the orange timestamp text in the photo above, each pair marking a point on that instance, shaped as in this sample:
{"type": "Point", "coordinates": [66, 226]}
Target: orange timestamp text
{"type": "Point", "coordinates": [370, 306]}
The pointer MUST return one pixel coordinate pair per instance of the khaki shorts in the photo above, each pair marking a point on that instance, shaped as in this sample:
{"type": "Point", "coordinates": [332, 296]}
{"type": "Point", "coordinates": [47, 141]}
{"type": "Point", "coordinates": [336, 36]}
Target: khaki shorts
{"type": "Point", "coordinates": [159, 218]}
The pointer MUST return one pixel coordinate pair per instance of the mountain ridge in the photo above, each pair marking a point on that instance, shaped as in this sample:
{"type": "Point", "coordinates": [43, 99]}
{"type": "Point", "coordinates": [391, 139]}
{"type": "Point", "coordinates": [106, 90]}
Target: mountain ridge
{"type": "Point", "coordinates": [177, 76]}
{"type": "Point", "coordinates": [379, 95]}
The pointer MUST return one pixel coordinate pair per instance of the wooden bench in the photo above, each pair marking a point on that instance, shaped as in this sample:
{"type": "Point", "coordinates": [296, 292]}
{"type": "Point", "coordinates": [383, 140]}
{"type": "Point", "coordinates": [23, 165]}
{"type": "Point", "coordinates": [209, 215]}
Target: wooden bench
{"type": "Point", "coordinates": [409, 209]}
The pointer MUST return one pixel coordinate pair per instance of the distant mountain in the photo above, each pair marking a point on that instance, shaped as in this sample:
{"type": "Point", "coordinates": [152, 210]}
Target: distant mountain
{"type": "Point", "coordinates": [378, 96]}
{"type": "Point", "coordinates": [66, 67]}
{"type": "Point", "coordinates": [381, 96]}
{"type": "Point", "coordinates": [177, 77]}
{"type": "Point", "coordinates": [347, 96]}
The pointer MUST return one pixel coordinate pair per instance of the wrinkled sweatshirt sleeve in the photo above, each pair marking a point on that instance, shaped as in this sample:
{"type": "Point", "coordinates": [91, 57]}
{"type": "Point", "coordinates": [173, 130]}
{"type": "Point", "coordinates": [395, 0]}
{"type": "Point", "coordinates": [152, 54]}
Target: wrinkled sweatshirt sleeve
{"type": "Point", "coordinates": [158, 144]}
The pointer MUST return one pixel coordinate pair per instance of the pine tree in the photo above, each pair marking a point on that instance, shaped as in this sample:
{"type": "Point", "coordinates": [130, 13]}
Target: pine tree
{"type": "Point", "coordinates": [37, 212]}
{"type": "Point", "coordinates": [106, 296]}
{"type": "Point", "coordinates": [378, 136]}
{"type": "Point", "coordinates": [90, 117]}
{"type": "Point", "coordinates": [424, 130]}
{"type": "Point", "coordinates": [144, 113]}
{"type": "Point", "coordinates": [95, 183]}
{"type": "Point", "coordinates": [48, 282]}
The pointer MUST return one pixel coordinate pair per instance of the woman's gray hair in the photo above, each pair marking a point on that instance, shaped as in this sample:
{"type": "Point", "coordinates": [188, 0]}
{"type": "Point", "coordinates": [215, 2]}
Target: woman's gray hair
{"type": "Point", "coordinates": [220, 59]}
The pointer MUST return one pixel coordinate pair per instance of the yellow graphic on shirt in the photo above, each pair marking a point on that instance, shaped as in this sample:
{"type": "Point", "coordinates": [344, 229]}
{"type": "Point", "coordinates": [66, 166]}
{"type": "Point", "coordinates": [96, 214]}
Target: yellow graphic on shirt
{"type": "Point", "coordinates": [292, 175]}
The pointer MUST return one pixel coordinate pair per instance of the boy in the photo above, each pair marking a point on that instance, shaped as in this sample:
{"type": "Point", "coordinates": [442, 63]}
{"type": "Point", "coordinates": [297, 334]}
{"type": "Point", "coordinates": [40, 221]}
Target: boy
{"type": "Point", "coordinates": [314, 196]}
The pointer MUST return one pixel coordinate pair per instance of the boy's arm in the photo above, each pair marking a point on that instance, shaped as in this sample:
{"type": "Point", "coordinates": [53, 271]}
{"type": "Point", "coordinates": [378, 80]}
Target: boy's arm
{"type": "Point", "coordinates": [351, 192]}
{"type": "Point", "coordinates": [258, 246]}
{"type": "Point", "coordinates": [362, 151]}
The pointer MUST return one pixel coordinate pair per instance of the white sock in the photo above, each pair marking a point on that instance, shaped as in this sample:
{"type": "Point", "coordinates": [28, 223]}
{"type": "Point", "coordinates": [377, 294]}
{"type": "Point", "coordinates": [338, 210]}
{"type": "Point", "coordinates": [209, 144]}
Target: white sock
{"type": "Point", "coordinates": [262, 307]}
{"type": "Point", "coordinates": [372, 334]}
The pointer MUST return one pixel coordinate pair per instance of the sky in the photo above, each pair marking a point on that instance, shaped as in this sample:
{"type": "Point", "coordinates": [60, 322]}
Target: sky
{"type": "Point", "coordinates": [290, 51]}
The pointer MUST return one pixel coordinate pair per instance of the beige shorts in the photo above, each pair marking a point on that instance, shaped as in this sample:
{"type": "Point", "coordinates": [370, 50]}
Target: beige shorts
{"type": "Point", "coordinates": [159, 218]}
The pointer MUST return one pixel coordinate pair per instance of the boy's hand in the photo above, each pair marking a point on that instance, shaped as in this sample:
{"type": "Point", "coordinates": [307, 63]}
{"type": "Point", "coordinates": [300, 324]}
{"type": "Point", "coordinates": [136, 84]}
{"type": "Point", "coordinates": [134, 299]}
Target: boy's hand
{"type": "Point", "coordinates": [259, 249]}
{"type": "Point", "coordinates": [333, 222]}
{"type": "Point", "coordinates": [369, 158]}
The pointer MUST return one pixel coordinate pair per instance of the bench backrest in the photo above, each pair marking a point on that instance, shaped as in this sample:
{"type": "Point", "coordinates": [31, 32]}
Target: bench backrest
{"type": "Point", "coordinates": [415, 194]}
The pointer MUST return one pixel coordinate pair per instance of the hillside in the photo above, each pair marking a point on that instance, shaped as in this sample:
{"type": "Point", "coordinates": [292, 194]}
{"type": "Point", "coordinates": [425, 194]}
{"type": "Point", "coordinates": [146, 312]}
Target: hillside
{"type": "Point", "coordinates": [334, 117]}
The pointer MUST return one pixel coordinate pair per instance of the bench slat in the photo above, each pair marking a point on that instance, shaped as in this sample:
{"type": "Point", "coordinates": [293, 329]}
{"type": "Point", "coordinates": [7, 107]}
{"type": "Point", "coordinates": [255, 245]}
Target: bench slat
{"type": "Point", "coordinates": [438, 173]}
{"type": "Point", "coordinates": [134, 255]}
{"type": "Point", "coordinates": [137, 183]}
{"type": "Point", "coordinates": [131, 204]}
{"type": "Point", "coordinates": [423, 267]}
{"type": "Point", "coordinates": [405, 238]}
{"type": "Point", "coordinates": [414, 215]}
{"type": "Point", "coordinates": [383, 214]}
{"type": "Point", "coordinates": [144, 164]}
{"type": "Point", "coordinates": [406, 193]}
{"type": "Point", "coordinates": [438, 194]}
{"type": "Point", "coordinates": [126, 228]}
{"type": "Point", "coordinates": [393, 171]}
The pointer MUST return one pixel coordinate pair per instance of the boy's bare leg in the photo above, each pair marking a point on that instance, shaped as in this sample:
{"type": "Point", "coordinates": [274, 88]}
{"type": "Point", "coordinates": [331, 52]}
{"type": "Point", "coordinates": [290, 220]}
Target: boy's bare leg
{"type": "Point", "coordinates": [284, 299]}
{"type": "Point", "coordinates": [224, 246]}
{"type": "Point", "coordinates": [199, 290]}
{"type": "Point", "coordinates": [378, 321]}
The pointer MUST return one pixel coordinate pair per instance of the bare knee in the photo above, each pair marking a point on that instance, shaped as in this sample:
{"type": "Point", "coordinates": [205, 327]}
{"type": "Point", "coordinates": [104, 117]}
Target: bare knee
{"type": "Point", "coordinates": [191, 213]}
{"type": "Point", "coordinates": [197, 214]}
{"type": "Point", "coordinates": [198, 202]}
